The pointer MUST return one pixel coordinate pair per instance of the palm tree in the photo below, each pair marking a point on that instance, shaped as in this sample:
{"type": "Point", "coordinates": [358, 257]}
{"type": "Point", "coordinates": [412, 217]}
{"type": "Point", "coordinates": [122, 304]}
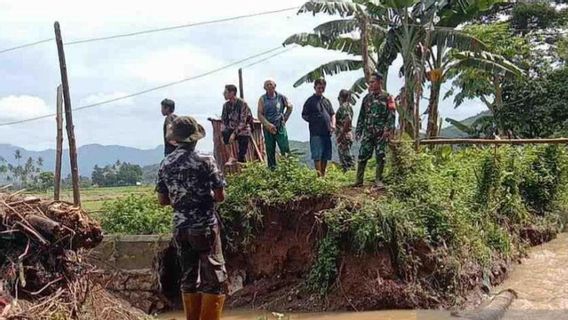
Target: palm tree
{"type": "Point", "coordinates": [18, 155]}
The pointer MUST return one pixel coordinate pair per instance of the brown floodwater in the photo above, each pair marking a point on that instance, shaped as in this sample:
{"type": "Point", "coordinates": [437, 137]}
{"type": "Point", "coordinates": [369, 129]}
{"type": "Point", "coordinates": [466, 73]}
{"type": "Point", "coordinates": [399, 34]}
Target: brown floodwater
{"type": "Point", "coordinates": [372, 315]}
{"type": "Point", "coordinates": [541, 283]}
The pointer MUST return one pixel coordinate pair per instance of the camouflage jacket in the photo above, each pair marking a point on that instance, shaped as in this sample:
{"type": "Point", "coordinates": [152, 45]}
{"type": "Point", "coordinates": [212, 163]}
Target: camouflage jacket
{"type": "Point", "coordinates": [375, 117]}
{"type": "Point", "coordinates": [238, 117]}
{"type": "Point", "coordinates": [189, 179]}
{"type": "Point", "coordinates": [343, 121]}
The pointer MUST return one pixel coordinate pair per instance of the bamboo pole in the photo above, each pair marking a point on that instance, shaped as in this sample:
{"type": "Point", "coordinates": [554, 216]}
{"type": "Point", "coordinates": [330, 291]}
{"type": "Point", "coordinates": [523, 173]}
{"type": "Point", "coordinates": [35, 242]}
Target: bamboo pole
{"type": "Point", "coordinates": [68, 116]}
{"type": "Point", "coordinates": [59, 144]}
{"type": "Point", "coordinates": [490, 142]}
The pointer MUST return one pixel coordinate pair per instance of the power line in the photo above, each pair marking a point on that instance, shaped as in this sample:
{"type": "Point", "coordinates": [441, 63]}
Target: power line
{"type": "Point", "coordinates": [27, 45]}
{"type": "Point", "coordinates": [147, 90]}
{"type": "Point", "coordinates": [269, 57]}
{"type": "Point", "coordinates": [180, 26]}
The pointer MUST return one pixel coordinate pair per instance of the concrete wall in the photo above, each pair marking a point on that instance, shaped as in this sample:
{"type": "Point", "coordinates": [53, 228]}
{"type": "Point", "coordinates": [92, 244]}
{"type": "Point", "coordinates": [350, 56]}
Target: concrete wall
{"type": "Point", "coordinates": [129, 252]}
{"type": "Point", "coordinates": [126, 266]}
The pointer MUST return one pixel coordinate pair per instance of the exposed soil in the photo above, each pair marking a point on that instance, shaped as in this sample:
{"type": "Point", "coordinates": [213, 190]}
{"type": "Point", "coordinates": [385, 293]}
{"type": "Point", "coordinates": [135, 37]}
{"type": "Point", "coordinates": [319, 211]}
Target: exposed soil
{"type": "Point", "coordinates": [271, 274]}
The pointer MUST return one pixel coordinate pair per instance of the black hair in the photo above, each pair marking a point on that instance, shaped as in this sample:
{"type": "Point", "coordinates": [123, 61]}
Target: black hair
{"type": "Point", "coordinates": [320, 81]}
{"type": "Point", "coordinates": [344, 94]}
{"type": "Point", "coordinates": [377, 75]}
{"type": "Point", "coordinates": [231, 88]}
{"type": "Point", "coordinates": [170, 104]}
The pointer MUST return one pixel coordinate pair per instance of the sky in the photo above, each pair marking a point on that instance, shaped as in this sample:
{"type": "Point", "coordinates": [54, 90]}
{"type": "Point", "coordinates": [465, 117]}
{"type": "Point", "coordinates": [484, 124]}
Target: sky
{"type": "Point", "coordinates": [108, 69]}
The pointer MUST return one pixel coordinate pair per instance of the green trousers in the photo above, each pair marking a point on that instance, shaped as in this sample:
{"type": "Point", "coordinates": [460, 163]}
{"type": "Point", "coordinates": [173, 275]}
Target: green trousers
{"type": "Point", "coordinates": [270, 140]}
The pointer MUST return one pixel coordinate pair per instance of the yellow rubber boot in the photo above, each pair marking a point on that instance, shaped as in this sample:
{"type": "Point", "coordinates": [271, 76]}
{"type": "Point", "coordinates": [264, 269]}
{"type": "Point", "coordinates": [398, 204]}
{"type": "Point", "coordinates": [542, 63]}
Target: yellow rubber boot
{"type": "Point", "coordinates": [192, 305]}
{"type": "Point", "coordinates": [212, 306]}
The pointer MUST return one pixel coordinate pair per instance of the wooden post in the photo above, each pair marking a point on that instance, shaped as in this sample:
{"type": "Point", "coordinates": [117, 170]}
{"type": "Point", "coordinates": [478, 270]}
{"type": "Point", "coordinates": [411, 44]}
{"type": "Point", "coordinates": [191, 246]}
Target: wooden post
{"type": "Point", "coordinates": [59, 143]}
{"type": "Point", "coordinates": [68, 116]}
{"type": "Point", "coordinates": [242, 94]}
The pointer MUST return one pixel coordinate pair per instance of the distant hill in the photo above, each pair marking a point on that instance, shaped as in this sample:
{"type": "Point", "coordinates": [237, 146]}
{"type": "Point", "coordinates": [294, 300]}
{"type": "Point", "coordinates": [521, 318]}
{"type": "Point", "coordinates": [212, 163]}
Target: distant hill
{"type": "Point", "coordinates": [453, 132]}
{"type": "Point", "coordinates": [96, 154]}
{"type": "Point", "coordinates": [88, 156]}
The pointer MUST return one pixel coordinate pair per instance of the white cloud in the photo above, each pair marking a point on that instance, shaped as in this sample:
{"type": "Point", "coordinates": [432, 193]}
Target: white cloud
{"type": "Point", "coordinates": [105, 70]}
{"type": "Point", "coordinates": [22, 107]}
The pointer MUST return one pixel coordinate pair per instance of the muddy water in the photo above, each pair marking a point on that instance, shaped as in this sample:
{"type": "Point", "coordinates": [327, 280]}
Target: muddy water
{"type": "Point", "coordinates": [541, 283]}
{"type": "Point", "coordinates": [375, 315]}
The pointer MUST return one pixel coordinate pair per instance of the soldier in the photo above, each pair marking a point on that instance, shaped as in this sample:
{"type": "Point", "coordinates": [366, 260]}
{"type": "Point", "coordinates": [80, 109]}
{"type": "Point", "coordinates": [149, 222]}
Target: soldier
{"type": "Point", "coordinates": [343, 130]}
{"type": "Point", "coordinates": [168, 108]}
{"type": "Point", "coordinates": [375, 125]}
{"type": "Point", "coordinates": [237, 121]}
{"type": "Point", "coordinates": [192, 184]}
{"type": "Point", "coordinates": [271, 113]}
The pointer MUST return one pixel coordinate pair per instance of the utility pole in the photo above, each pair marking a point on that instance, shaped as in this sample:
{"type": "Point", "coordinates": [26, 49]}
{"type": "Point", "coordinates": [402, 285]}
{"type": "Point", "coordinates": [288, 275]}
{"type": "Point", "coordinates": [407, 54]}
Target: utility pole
{"type": "Point", "coordinates": [242, 94]}
{"type": "Point", "coordinates": [68, 116]}
{"type": "Point", "coordinates": [59, 143]}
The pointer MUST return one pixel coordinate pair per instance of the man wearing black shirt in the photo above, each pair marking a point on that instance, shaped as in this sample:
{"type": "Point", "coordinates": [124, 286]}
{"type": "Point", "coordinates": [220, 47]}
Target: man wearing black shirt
{"type": "Point", "coordinates": [168, 108]}
{"type": "Point", "coordinates": [319, 113]}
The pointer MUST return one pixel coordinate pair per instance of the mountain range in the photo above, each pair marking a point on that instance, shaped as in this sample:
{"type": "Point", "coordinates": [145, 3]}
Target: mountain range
{"type": "Point", "coordinates": [87, 156]}
{"type": "Point", "coordinates": [96, 154]}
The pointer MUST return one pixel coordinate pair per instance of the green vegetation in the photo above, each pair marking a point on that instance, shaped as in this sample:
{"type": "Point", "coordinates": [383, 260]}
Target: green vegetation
{"type": "Point", "coordinates": [258, 186]}
{"type": "Point", "coordinates": [119, 174]}
{"type": "Point", "coordinates": [136, 214]}
{"type": "Point", "coordinates": [466, 207]}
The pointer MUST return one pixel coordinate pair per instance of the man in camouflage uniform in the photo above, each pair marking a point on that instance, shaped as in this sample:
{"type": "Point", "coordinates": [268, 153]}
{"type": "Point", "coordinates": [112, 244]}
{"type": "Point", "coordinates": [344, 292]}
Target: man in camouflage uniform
{"type": "Point", "coordinates": [375, 125]}
{"type": "Point", "coordinates": [343, 130]}
{"type": "Point", "coordinates": [192, 184]}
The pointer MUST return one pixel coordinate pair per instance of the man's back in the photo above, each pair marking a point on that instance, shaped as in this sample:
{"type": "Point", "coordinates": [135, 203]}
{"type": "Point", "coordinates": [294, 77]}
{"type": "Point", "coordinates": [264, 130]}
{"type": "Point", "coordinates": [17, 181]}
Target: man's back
{"type": "Point", "coordinates": [189, 179]}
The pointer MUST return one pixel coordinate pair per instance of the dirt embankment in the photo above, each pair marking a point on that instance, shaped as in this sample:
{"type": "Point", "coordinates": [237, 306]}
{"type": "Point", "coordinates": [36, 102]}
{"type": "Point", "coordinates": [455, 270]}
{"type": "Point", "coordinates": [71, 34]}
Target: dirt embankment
{"type": "Point", "coordinates": [272, 272]}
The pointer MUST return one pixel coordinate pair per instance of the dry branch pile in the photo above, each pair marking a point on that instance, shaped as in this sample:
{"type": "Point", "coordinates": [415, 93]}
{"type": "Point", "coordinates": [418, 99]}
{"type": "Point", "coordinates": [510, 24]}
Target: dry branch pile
{"type": "Point", "coordinates": [43, 274]}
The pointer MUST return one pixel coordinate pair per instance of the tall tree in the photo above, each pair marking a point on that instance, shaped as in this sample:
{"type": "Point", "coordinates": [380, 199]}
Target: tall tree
{"type": "Point", "coordinates": [487, 85]}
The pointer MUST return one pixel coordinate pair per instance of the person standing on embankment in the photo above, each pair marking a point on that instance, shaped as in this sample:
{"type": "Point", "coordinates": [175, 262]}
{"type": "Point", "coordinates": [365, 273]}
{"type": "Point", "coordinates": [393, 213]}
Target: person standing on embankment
{"type": "Point", "coordinates": [319, 114]}
{"type": "Point", "coordinates": [192, 184]}
{"type": "Point", "coordinates": [168, 108]}
{"type": "Point", "coordinates": [375, 125]}
{"type": "Point", "coordinates": [344, 130]}
{"type": "Point", "coordinates": [273, 118]}
{"type": "Point", "coordinates": [237, 121]}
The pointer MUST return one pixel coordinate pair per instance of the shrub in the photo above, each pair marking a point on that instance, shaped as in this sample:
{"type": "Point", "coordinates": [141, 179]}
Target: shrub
{"type": "Point", "coordinates": [136, 214]}
{"type": "Point", "coordinates": [324, 270]}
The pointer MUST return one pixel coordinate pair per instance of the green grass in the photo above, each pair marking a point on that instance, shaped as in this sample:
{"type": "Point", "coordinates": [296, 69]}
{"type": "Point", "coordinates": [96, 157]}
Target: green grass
{"type": "Point", "coordinates": [92, 199]}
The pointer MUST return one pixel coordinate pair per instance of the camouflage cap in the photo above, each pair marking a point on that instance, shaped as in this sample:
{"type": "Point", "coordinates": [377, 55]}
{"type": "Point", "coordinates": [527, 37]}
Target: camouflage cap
{"type": "Point", "coordinates": [185, 129]}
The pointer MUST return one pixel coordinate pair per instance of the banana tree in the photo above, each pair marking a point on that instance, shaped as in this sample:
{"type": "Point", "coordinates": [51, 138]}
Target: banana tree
{"type": "Point", "coordinates": [359, 33]}
{"type": "Point", "coordinates": [427, 30]}
{"type": "Point", "coordinates": [470, 82]}
{"type": "Point", "coordinates": [454, 51]}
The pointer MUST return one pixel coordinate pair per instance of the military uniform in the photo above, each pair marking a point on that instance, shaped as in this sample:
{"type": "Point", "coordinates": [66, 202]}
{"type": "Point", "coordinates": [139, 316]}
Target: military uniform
{"type": "Point", "coordinates": [374, 119]}
{"type": "Point", "coordinates": [344, 135]}
{"type": "Point", "coordinates": [189, 179]}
